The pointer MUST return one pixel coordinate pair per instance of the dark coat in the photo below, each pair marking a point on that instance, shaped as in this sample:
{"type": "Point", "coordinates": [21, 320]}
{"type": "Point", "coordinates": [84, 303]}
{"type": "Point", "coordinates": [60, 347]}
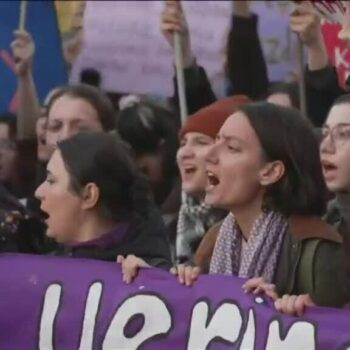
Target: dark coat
{"type": "Point", "coordinates": [246, 68]}
{"type": "Point", "coordinates": [144, 237]}
{"type": "Point", "coordinates": [19, 231]}
{"type": "Point", "coordinates": [326, 279]}
{"type": "Point", "coordinates": [246, 72]}
{"type": "Point", "coordinates": [322, 88]}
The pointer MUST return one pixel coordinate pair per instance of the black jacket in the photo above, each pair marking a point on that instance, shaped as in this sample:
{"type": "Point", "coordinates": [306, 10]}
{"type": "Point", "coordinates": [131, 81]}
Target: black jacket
{"type": "Point", "coordinates": [246, 68]}
{"type": "Point", "coordinates": [20, 232]}
{"type": "Point", "coordinates": [246, 71]}
{"type": "Point", "coordinates": [322, 88]}
{"type": "Point", "coordinates": [144, 237]}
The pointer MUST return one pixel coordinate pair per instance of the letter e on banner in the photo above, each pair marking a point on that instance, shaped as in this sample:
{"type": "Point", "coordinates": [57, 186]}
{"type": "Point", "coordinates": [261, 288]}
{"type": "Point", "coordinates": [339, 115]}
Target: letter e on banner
{"type": "Point", "coordinates": [224, 324]}
{"type": "Point", "coordinates": [157, 321]}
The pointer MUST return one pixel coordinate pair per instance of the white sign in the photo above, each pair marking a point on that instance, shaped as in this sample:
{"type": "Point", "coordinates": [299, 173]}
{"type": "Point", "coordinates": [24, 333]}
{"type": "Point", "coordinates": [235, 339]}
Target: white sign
{"type": "Point", "coordinates": [123, 41]}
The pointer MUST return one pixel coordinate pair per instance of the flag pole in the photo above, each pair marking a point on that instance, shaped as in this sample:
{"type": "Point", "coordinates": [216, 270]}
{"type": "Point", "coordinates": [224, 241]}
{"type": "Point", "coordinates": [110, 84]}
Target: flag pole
{"type": "Point", "coordinates": [22, 15]}
{"type": "Point", "coordinates": [301, 74]}
{"type": "Point", "coordinates": [180, 78]}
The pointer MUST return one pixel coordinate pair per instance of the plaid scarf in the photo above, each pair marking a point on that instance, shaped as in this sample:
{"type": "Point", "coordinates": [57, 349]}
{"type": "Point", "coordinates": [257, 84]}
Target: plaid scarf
{"type": "Point", "coordinates": [338, 216]}
{"type": "Point", "coordinates": [195, 218]}
{"type": "Point", "coordinates": [258, 258]}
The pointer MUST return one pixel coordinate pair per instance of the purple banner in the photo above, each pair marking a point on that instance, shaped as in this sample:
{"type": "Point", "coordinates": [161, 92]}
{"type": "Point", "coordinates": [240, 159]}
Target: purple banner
{"type": "Point", "coordinates": [58, 303]}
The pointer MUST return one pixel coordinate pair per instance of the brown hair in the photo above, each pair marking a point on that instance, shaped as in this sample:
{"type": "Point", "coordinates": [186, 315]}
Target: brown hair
{"type": "Point", "coordinates": [95, 97]}
{"type": "Point", "coordinates": [286, 136]}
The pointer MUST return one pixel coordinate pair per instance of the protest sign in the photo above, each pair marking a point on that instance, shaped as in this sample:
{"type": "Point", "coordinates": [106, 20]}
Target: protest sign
{"type": "Point", "coordinates": [124, 42]}
{"type": "Point", "coordinates": [339, 54]}
{"type": "Point", "coordinates": [64, 303]}
{"type": "Point", "coordinates": [49, 68]}
{"type": "Point", "coordinates": [278, 41]}
{"type": "Point", "coordinates": [128, 48]}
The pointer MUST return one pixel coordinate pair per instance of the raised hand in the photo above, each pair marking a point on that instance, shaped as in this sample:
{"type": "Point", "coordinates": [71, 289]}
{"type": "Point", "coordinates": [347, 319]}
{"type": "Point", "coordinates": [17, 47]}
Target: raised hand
{"type": "Point", "coordinates": [258, 285]}
{"type": "Point", "coordinates": [23, 49]}
{"type": "Point", "coordinates": [174, 20]}
{"type": "Point", "coordinates": [344, 33]}
{"type": "Point", "coordinates": [306, 22]}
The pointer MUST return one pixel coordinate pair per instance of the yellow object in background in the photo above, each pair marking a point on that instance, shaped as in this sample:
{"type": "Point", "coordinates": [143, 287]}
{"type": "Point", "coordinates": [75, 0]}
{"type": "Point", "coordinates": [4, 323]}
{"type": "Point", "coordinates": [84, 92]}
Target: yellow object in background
{"type": "Point", "coordinates": [69, 14]}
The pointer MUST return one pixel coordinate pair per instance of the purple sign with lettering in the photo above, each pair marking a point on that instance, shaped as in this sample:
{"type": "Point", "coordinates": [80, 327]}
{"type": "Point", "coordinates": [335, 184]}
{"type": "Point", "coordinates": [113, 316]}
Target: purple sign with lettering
{"type": "Point", "coordinates": [61, 303]}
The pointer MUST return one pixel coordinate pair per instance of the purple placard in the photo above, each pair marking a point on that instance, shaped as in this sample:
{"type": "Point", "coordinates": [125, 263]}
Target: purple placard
{"type": "Point", "coordinates": [61, 303]}
{"type": "Point", "coordinates": [129, 50]}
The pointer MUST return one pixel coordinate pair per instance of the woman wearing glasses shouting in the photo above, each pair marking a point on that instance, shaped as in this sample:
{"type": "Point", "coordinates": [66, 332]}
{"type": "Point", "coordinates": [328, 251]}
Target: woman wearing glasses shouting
{"type": "Point", "coordinates": [335, 159]}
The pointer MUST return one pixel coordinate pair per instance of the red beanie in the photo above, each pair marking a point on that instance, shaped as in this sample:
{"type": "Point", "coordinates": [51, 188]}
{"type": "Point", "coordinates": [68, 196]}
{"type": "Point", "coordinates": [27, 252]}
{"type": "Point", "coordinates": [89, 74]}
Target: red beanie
{"type": "Point", "coordinates": [210, 119]}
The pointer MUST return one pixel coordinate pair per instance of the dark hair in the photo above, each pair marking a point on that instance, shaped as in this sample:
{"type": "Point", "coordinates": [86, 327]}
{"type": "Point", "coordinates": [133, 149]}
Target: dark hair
{"type": "Point", "coordinates": [90, 76]}
{"type": "Point", "coordinates": [290, 89]}
{"type": "Point", "coordinates": [145, 125]}
{"type": "Point", "coordinates": [10, 120]}
{"type": "Point", "coordinates": [103, 159]}
{"type": "Point", "coordinates": [21, 183]}
{"type": "Point", "coordinates": [150, 128]}
{"type": "Point", "coordinates": [343, 99]}
{"type": "Point", "coordinates": [98, 100]}
{"type": "Point", "coordinates": [286, 136]}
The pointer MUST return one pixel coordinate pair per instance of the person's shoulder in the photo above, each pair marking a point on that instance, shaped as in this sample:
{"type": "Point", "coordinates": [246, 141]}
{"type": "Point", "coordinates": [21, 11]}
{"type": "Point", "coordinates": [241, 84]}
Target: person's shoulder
{"type": "Point", "coordinates": [150, 222]}
{"type": "Point", "coordinates": [312, 227]}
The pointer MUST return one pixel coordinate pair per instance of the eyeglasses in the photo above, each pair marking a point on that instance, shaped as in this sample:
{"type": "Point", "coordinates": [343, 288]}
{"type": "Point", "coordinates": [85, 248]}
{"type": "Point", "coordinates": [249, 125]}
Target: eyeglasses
{"type": "Point", "coordinates": [340, 134]}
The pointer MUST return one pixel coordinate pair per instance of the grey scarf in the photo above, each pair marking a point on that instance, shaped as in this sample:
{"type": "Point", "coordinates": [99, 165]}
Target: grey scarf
{"type": "Point", "coordinates": [195, 218]}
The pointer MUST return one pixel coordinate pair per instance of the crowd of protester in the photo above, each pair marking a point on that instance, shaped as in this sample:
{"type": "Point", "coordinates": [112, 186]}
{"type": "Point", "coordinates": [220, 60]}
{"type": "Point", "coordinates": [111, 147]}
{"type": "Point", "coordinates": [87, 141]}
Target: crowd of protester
{"type": "Point", "coordinates": [245, 187]}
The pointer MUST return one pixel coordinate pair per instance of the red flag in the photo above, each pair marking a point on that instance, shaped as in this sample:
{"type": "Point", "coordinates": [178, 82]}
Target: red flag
{"type": "Point", "coordinates": [337, 51]}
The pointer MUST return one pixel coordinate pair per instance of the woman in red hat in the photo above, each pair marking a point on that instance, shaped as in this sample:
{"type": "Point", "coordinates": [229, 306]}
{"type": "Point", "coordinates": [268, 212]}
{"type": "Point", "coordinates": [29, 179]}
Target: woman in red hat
{"type": "Point", "coordinates": [195, 216]}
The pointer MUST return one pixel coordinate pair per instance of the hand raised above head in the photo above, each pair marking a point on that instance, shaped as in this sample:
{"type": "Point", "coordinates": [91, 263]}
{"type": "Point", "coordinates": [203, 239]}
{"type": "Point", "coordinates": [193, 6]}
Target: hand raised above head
{"type": "Point", "coordinates": [173, 20]}
{"type": "Point", "coordinates": [23, 49]}
{"type": "Point", "coordinates": [344, 33]}
{"type": "Point", "coordinates": [306, 22]}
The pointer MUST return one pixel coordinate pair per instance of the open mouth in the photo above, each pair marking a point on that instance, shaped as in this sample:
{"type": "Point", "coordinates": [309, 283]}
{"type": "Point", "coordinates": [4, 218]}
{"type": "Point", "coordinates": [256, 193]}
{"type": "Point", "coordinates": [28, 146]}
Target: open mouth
{"type": "Point", "coordinates": [188, 170]}
{"type": "Point", "coordinates": [44, 214]}
{"type": "Point", "coordinates": [327, 166]}
{"type": "Point", "coordinates": [212, 179]}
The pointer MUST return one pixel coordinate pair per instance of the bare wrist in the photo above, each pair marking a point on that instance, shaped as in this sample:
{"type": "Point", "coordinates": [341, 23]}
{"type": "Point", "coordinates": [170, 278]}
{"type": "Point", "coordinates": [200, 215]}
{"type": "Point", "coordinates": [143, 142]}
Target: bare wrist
{"type": "Point", "coordinates": [317, 44]}
{"type": "Point", "coordinates": [26, 76]}
{"type": "Point", "coordinates": [317, 58]}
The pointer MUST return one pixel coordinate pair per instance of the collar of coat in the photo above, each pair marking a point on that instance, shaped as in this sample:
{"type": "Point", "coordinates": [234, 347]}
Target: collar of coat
{"type": "Point", "coordinates": [312, 227]}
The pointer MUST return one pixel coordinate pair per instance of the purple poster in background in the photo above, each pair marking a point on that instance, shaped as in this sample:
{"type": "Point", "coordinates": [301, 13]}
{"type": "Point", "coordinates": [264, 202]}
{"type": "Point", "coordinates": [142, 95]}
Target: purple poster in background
{"type": "Point", "coordinates": [130, 52]}
{"type": "Point", "coordinates": [51, 303]}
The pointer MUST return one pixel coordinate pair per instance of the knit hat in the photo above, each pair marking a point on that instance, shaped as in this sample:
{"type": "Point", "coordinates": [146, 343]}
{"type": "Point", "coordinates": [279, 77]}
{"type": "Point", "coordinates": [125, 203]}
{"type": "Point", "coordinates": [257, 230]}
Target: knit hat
{"type": "Point", "coordinates": [209, 120]}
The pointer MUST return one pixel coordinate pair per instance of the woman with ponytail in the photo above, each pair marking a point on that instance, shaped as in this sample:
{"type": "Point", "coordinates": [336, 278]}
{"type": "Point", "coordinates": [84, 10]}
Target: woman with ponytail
{"type": "Point", "coordinates": [97, 206]}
